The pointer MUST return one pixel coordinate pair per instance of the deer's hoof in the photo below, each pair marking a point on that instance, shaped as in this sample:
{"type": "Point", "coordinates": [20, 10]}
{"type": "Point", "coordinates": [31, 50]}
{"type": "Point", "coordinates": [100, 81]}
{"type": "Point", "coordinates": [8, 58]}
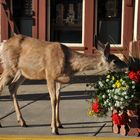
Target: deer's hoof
{"type": "Point", "coordinates": [23, 124]}
{"type": "Point", "coordinates": [55, 133]}
{"type": "Point", "coordinates": [60, 126]}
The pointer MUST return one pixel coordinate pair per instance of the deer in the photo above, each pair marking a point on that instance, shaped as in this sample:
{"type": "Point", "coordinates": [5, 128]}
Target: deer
{"type": "Point", "coordinates": [24, 57]}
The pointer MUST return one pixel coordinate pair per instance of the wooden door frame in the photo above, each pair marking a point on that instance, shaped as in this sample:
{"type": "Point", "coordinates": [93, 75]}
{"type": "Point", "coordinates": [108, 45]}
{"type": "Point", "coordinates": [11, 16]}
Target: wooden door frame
{"type": "Point", "coordinates": [3, 22]}
{"type": "Point", "coordinates": [39, 29]}
{"type": "Point", "coordinates": [138, 29]}
{"type": "Point", "coordinates": [89, 26]}
{"type": "Point", "coordinates": [128, 27]}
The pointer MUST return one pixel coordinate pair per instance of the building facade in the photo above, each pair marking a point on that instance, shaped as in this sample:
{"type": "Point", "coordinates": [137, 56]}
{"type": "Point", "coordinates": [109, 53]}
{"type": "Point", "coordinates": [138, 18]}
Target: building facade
{"type": "Point", "coordinates": [74, 22]}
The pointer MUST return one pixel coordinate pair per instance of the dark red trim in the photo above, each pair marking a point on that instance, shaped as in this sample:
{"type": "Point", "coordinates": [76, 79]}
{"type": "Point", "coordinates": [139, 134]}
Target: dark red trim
{"type": "Point", "coordinates": [4, 22]}
{"type": "Point", "coordinates": [35, 8]}
{"type": "Point", "coordinates": [42, 19]}
{"type": "Point", "coordinates": [89, 26]}
{"type": "Point", "coordinates": [138, 32]}
{"type": "Point", "coordinates": [78, 48]}
{"type": "Point", "coordinates": [128, 25]}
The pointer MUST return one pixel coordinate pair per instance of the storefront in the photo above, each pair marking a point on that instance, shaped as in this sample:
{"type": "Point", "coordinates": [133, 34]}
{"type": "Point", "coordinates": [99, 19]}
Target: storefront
{"type": "Point", "coordinates": [73, 22]}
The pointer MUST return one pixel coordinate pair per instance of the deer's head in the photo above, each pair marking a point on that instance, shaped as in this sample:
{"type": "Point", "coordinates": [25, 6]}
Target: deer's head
{"type": "Point", "coordinates": [114, 62]}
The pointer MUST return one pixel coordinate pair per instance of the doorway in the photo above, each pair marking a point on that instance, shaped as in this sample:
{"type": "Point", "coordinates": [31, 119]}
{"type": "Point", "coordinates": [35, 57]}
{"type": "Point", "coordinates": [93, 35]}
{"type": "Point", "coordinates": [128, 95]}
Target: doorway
{"type": "Point", "coordinates": [66, 18]}
{"type": "Point", "coordinates": [109, 21]}
{"type": "Point", "coordinates": [22, 13]}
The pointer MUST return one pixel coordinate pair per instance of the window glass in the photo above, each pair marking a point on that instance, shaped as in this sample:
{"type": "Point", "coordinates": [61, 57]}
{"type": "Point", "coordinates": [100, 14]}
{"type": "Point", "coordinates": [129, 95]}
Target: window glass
{"type": "Point", "coordinates": [109, 18]}
{"type": "Point", "coordinates": [66, 21]}
{"type": "Point", "coordinates": [22, 13]}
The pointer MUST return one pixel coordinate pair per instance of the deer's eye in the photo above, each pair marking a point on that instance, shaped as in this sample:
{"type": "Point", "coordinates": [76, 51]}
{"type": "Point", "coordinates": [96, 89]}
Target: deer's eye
{"type": "Point", "coordinates": [115, 61]}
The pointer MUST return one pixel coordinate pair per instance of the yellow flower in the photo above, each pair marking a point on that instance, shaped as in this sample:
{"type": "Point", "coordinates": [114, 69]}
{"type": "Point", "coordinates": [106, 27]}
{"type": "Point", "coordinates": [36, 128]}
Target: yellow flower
{"type": "Point", "coordinates": [90, 113]}
{"type": "Point", "coordinates": [123, 88]}
{"type": "Point", "coordinates": [118, 84]}
{"type": "Point", "coordinates": [121, 80]}
{"type": "Point", "coordinates": [113, 78]}
{"type": "Point", "coordinates": [108, 76]}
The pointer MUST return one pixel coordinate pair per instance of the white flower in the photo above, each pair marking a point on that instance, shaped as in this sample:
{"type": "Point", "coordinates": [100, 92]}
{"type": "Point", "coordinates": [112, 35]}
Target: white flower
{"type": "Point", "coordinates": [121, 107]}
{"type": "Point", "coordinates": [115, 97]}
{"type": "Point", "coordinates": [107, 101]}
{"type": "Point", "coordinates": [122, 99]}
{"type": "Point", "coordinates": [117, 90]}
{"type": "Point", "coordinates": [113, 85]}
{"type": "Point", "coordinates": [109, 104]}
{"type": "Point", "coordinates": [126, 97]}
{"type": "Point", "coordinates": [100, 84]}
{"type": "Point", "coordinates": [111, 108]}
{"type": "Point", "coordinates": [117, 104]}
{"type": "Point", "coordinates": [132, 96]}
{"type": "Point", "coordinates": [108, 91]}
{"type": "Point", "coordinates": [119, 93]}
{"type": "Point", "coordinates": [124, 93]}
{"type": "Point", "coordinates": [107, 80]}
{"type": "Point", "coordinates": [133, 82]}
{"type": "Point", "coordinates": [104, 96]}
{"type": "Point", "coordinates": [123, 82]}
{"type": "Point", "coordinates": [133, 87]}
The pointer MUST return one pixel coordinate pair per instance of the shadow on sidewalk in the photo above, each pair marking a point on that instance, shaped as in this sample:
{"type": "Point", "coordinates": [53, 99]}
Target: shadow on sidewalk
{"type": "Point", "coordinates": [74, 79]}
{"type": "Point", "coordinates": [69, 95]}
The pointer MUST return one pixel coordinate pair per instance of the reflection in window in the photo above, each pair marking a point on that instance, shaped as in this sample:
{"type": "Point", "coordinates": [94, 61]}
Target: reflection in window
{"type": "Point", "coordinates": [22, 13]}
{"type": "Point", "coordinates": [66, 21]}
{"type": "Point", "coordinates": [109, 13]}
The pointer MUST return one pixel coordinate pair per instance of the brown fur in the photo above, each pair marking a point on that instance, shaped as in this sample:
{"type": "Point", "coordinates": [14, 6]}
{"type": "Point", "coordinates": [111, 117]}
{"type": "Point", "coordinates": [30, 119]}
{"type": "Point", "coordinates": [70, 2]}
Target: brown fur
{"type": "Point", "coordinates": [35, 59]}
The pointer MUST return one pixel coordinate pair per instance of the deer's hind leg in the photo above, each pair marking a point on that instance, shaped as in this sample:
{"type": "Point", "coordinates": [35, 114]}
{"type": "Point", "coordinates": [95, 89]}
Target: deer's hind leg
{"type": "Point", "coordinates": [17, 81]}
{"type": "Point", "coordinates": [4, 79]}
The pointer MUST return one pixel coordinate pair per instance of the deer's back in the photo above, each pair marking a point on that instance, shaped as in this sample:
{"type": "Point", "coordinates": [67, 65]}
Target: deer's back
{"type": "Point", "coordinates": [35, 58]}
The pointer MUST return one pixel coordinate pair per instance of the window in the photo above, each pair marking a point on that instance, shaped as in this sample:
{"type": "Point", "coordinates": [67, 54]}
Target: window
{"type": "Point", "coordinates": [22, 13]}
{"type": "Point", "coordinates": [109, 21]}
{"type": "Point", "coordinates": [66, 19]}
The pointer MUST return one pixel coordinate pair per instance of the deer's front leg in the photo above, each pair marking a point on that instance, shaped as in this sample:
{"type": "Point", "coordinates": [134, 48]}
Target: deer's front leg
{"type": "Point", "coordinates": [58, 123]}
{"type": "Point", "coordinates": [52, 91]}
{"type": "Point", "coordinates": [13, 90]}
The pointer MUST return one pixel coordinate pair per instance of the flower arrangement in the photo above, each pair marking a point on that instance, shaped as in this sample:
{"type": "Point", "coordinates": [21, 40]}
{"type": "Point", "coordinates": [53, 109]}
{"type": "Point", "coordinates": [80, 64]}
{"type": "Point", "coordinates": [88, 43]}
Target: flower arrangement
{"type": "Point", "coordinates": [116, 90]}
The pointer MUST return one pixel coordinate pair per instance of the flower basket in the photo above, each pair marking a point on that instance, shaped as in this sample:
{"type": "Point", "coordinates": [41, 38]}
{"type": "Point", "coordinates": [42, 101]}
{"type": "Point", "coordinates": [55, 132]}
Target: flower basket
{"type": "Point", "coordinates": [116, 92]}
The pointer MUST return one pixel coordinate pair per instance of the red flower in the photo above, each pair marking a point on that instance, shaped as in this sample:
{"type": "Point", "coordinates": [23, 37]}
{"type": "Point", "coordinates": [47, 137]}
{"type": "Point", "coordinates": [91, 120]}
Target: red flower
{"type": "Point", "coordinates": [134, 76]}
{"type": "Point", "coordinates": [120, 119]}
{"type": "Point", "coordinates": [95, 106]}
{"type": "Point", "coordinates": [116, 119]}
{"type": "Point", "coordinates": [138, 73]}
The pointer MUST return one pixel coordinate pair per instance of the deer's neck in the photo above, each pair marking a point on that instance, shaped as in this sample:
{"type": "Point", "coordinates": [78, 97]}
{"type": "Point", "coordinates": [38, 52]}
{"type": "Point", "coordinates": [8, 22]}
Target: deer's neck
{"type": "Point", "coordinates": [82, 62]}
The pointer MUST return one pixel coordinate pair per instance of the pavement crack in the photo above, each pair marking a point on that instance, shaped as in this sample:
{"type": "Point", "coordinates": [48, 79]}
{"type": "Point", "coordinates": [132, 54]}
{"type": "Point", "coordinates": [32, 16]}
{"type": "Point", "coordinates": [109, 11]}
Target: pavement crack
{"type": "Point", "coordinates": [99, 130]}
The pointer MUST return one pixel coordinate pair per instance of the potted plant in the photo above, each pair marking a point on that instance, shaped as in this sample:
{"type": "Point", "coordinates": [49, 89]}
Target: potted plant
{"type": "Point", "coordinates": [116, 92]}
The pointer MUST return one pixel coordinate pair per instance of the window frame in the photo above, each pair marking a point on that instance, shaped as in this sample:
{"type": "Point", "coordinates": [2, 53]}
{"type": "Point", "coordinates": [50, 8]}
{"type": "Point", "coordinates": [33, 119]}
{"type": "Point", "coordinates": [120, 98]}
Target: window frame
{"type": "Point", "coordinates": [83, 29]}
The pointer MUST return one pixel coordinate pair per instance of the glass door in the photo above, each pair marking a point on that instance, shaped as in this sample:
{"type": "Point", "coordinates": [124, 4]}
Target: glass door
{"type": "Point", "coordinates": [66, 21]}
{"type": "Point", "coordinates": [22, 13]}
{"type": "Point", "coordinates": [109, 20]}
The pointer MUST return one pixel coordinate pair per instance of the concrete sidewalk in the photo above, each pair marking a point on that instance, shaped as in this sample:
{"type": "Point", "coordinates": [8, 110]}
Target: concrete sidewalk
{"type": "Point", "coordinates": [36, 109]}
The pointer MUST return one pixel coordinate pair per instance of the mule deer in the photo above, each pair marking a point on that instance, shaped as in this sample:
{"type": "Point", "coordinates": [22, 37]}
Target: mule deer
{"type": "Point", "coordinates": [25, 57]}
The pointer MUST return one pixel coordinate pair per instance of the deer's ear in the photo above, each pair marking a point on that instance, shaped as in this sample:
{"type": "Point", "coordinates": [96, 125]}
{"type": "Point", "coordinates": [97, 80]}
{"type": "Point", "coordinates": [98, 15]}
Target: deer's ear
{"type": "Point", "coordinates": [98, 44]}
{"type": "Point", "coordinates": [107, 50]}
